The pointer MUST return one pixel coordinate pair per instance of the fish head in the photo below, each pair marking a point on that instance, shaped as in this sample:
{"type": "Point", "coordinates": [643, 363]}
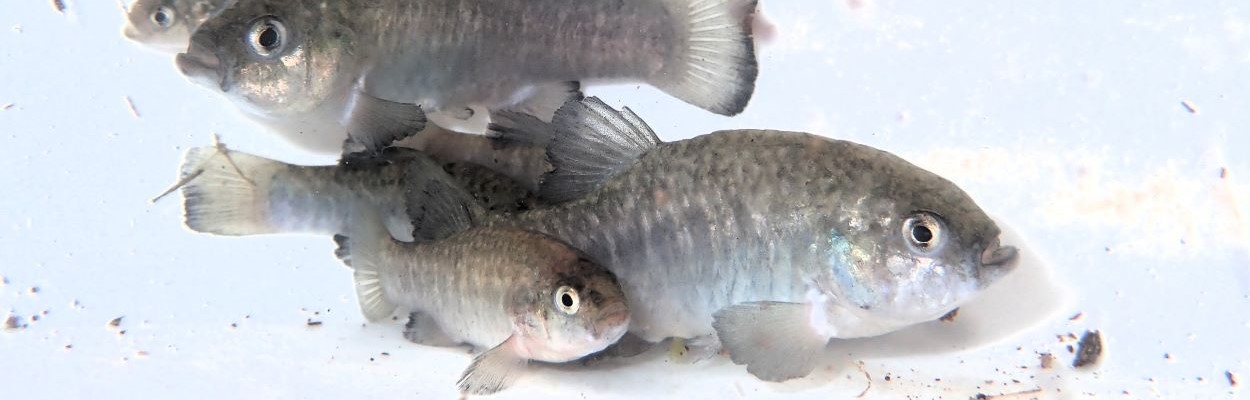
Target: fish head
{"type": "Point", "coordinates": [907, 245]}
{"type": "Point", "coordinates": [166, 25]}
{"type": "Point", "coordinates": [576, 308]}
{"type": "Point", "coordinates": [272, 57]}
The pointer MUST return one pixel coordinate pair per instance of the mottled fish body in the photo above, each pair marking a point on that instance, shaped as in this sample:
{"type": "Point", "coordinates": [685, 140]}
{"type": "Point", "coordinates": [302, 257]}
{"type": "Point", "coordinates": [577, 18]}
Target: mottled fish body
{"type": "Point", "coordinates": [315, 70]}
{"type": "Point", "coordinates": [771, 242]}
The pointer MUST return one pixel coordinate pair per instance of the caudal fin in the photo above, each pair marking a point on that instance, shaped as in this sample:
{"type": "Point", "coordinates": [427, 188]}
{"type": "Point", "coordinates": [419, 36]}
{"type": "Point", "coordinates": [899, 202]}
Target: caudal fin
{"type": "Point", "coordinates": [226, 192]}
{"type": "Point", "coordinates": [716, 67]}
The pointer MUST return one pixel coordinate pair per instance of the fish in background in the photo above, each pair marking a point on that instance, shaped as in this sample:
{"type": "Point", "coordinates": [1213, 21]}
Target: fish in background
{"type": "Point", "coordinates": [234, 193]}
{"type": "Point", "coordinates": [166, 25]}
{"type": "Point", "coordinates": [765, 244]}
{"type": "Point", "coordinates": [512, 294]}
{"type": "Point", "coordinates": [314, 71]}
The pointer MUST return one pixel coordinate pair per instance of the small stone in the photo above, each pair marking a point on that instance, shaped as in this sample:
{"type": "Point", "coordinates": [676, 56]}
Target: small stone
{"type": "Point", "coordinates": [1090, 349]}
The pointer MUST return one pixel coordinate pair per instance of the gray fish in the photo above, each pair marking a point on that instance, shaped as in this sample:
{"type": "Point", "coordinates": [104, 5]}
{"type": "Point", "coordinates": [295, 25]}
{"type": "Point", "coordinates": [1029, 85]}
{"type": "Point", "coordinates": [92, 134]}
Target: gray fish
{"type": "Point", "coordinates": [166, 25]}
{"type": "Point", "coordinates": [767, 243]}
{"type": "Point", "coordinates": [235, 193]}
{"type": "Point", "coordinates": [313, 70]}
{"type": "Point", "coordinates": [516, 294]}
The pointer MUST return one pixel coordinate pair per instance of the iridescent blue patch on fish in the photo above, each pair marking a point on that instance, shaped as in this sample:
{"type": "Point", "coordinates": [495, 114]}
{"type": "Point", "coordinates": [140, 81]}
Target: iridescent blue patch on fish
{"type": "Point", "coordinates": [841, 260]}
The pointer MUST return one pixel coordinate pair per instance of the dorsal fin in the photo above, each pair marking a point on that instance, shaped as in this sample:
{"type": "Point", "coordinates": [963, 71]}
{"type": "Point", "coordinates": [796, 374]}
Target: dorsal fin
{"type": "Point", "coordinates": [437, 207]}
{"type": "Point", "coordinates": [591, 143]}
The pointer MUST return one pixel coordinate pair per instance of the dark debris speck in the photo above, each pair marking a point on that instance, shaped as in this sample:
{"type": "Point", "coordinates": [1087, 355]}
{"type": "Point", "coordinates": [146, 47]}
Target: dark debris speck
{"type": "Point", "coordinates": [1089, 349]}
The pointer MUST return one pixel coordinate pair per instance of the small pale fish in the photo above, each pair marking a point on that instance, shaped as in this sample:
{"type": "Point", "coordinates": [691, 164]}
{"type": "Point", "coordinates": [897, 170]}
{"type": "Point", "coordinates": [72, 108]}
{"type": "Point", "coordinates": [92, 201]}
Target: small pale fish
{"type": "Point", "coordinates": [314, 71]}
{"type": "Point", "coordinates": [767, 244]}
{"type": "Point", "coordinates": [514, 294]}
{"type": "Point", "coordinates": [234, 193]}
{"type": "Point", "coordinates": [166, 25]}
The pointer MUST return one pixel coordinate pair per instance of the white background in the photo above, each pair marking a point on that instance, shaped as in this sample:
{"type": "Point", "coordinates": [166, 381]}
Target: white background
{"type": "Point", "coordinates": [1062, 118]}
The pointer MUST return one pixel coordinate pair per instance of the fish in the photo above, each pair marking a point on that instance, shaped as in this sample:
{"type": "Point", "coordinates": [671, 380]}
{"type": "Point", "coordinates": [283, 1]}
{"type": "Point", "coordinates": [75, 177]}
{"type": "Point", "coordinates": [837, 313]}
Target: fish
{"type": "Point", "coordinates": [315, 71]}
{"type": "Point", "coordinates": [514, 295]}
{"type": "Point", "coordinates": [234, 193]}
{"type": "Point", "coordinates": [765, 244]}
{"type": "Point", "coordinates": [166, 25]}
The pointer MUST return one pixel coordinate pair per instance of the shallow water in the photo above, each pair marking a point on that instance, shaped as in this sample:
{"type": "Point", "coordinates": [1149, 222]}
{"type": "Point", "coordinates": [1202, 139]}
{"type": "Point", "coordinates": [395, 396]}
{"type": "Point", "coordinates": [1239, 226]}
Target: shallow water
{"type": "Point", "coordinates": [1108, 138]}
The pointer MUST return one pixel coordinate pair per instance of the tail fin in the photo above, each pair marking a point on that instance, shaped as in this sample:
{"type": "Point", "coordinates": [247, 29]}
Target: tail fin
{"type": "Point", "coordinates": [363, 252]}
{"type": "Point", "coordinates": [226, 191]}
{"type": "Point", "coordinates": [716, 68]}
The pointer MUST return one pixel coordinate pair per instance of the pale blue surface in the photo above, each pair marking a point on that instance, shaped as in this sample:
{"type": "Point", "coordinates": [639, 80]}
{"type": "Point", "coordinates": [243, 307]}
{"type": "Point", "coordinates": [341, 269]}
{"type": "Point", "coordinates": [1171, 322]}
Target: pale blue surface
{"type": "Point", "coordinates": [1064, 119]}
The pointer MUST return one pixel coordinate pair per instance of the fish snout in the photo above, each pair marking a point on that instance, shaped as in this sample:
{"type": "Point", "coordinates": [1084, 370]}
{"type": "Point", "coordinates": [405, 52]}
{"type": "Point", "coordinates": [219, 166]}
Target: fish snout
{"type": "Point", "coordinates": [202, 66]}
{"type": "Point", "coordinates": [612, 323]}
{"type": "Point", "coordinates": [997, 256]}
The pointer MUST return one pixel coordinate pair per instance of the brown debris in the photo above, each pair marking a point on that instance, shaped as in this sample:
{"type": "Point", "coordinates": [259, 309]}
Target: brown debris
{"type": "Point", "coordinates": [59, 6]}
{"type": "Point", "coordinates": [1223, 172]}
{"type": "Point", "coordinates": [1077, 316]}
{"type": "Point", "coordinates": [313, 323]}
{"type": "Point", "coordinates": [1089, 349]}
{"type": "Point", "coordinates": [131, 105]}
{"type": "Point", "coordinates": [1016, 395]}
{"type": "Point", "coordinates": [1232, 378]}
{"type": "Point", "coordinates": [950, 316]}
{"type": "Point", "coordinates": [1189, 107]}
{"type": "Point", "coordinates": [866, 377]}
{"type": "Point", "coordinates": [116, 322]}
{"type": "Point", "coordinates": [7, 106]}
{"type": "Point", "coordinates": [33, 290]}
{"type": "Point", "coordinates": [13, 323]}
{"type": "Point", "coordinates": [1047, 360]}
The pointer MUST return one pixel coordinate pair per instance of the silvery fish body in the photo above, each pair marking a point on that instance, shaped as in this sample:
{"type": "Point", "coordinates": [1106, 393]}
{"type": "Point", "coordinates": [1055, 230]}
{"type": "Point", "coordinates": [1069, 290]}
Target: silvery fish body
{"type": "Point", "coordinates": [235, 193]}
{"type": "Point", "coordinates": [166, 25]}
{"type": "Point", "coordinates": [772, 242]}
{"type": "Point", "coordinates": [315, 70]}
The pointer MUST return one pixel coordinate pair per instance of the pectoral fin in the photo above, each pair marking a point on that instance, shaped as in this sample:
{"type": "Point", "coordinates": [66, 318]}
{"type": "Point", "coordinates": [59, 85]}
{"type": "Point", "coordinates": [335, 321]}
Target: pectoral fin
{"type": "Point", "coordinates": [492, 370]}
{"type": "Point", "coordinates": [773, 339]}
{"type": "Point", "coordinates": [376, 123]}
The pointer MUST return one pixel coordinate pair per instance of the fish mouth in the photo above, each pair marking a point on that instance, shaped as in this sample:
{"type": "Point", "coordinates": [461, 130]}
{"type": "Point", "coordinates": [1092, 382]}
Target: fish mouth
{"type": "Point", "coordinates": [131, 33]}
{"type": "Point", "coordinates": [613, 322]}
{"type": "Point", "coordinates": [1000, 257]}
{"type": "Point", "coordinates": [202, 67]}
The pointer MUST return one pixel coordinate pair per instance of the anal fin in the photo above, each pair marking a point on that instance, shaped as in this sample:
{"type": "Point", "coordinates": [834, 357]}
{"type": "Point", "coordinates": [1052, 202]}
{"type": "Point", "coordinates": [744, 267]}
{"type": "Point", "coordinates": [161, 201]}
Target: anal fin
{"type": "Point", "coordinates": [773, 339]}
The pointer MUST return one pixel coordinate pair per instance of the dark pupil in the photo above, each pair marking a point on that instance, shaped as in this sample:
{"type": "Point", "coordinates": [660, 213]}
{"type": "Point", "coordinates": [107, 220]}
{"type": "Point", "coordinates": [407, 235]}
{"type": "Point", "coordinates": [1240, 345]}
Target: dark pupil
{"type": "Point", "coordinates": [566, 300]}
{"type": "Point", "coordinates": [160, 18]}
{"type": "Point", "coordinates": [268, 38]}
{"type": "Point", "coordinates": [921, 233]}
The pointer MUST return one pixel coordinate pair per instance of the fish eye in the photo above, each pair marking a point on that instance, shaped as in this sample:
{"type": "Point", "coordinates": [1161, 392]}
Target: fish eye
{"type": "Point", "coordinates": [267, 36]}
{"type": "Point", "coordinates": [566, 300]}
{"type": "Point", "coordinates": [923, 231]}
{"type": "Point", "coordinates": [162, 17]}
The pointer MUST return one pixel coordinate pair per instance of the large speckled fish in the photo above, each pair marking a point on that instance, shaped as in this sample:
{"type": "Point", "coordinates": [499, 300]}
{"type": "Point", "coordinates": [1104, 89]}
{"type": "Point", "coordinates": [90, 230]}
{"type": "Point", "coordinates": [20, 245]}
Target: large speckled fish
{"type": "Point", "coordinates": [313, 70]}
{"type": "Point", "coordinates": [767, 243]}
{"type": "Point", "coordinates": [166, 25]}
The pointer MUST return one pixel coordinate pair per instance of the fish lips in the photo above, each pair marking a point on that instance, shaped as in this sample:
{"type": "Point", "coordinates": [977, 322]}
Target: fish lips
{"type": "Point", "coordinates": [202, 67]}
{"type": "Point", "coordinates": [613, 323]}
{"type": "Point", "coordinates": [997, 260]}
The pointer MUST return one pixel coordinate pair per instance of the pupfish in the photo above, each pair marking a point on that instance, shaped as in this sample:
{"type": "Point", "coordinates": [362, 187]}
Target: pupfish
{"type": "Point", "coordinates": [766, 244]}
{"type": "Point", "coordinates": [513, 295]}
{"type": "Point", "coordinates": [314, 71]}
{"type": "Point", "coordinates": [166, 25]}
{"type": "Point", "coordinates": [234, 193]}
